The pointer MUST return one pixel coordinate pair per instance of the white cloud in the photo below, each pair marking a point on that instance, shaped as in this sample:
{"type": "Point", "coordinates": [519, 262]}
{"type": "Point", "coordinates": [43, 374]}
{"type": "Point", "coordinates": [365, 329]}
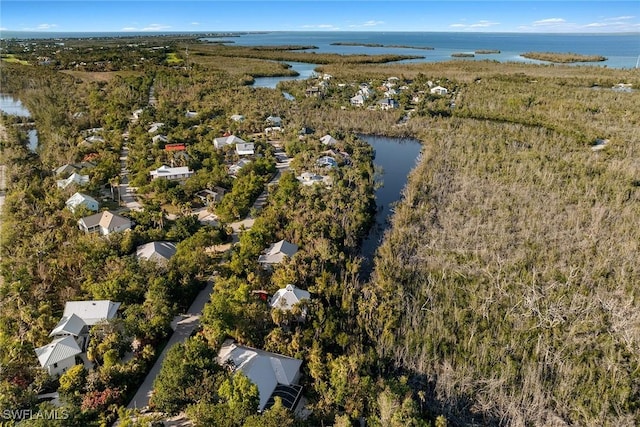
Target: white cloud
{"type": "Point", "coordinates": [321, 27]}
{"type": "Point", "coordinates": [129, 29]}
{"type": "Point", "coordinates": [4, 29]}
{"type": "Point", "coordinates": [370, 23]}
{"type": "Point", "coordinates": [620, 18]}
{"type": "Point", "coordinates": [156, 27]}
{"type": "Point", "coordinates": [195, 23]}
{"type": "Point", "coordinates": [549, 21]}
{"type": "Point", "coordinates": [46, 26]}
{"type": "Point", "coordinates": [480, 24]}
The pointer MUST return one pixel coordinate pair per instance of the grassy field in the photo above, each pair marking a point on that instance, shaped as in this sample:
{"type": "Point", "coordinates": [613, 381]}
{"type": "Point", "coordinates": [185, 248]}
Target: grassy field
{"type": "Point", "coordinates": [509, 279]}
{"type": "Point", "coordinates": [98, 76]}
{"type": "Point", "coordinates": [11, 58]}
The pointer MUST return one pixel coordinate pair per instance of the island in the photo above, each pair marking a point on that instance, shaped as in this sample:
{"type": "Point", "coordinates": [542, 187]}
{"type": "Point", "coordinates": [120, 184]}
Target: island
{"type": "Point", "coordinates": [462, 55]}
{"type": "Point", "coordinates": [486, 51]}
{"type": "Point", "coordinates": [563, 58]}
{"type": "Point", "coordinates": [397, 46]}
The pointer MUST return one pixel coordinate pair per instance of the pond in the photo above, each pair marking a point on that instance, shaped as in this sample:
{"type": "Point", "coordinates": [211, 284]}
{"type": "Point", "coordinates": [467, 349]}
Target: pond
{"type": "Point", "coordinates": [12, 106]}
{"type": "Point", "coordinates": [395, 158]}
{"type": "Point", "coordinates": [304, 70]}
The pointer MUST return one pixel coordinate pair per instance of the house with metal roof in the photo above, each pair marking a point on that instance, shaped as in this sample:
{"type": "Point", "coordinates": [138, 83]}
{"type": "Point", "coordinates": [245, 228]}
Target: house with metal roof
{"type": "Point", "coordinates": [73, 326]}
{"type": "Point", "coordinates": [93, 311]}
{"type": "Point", "coordinates": [171, 174]}
{"type": "Point", "coordinates": [79, 199]}
{"type": "Point", "coordinates": [277, 252]}
{"type": "Point", "coordinates": [245, 149]}
{"type": "Point", "coordinates": [275, 375]}
{"type": "Point", "coordinates": [227, 140]}
{"type": "Point", "coordinates": [59, 355]}
{"type": "Point", "coordinates": [159, 252]}
{"type": "Point", "coordinates": [74, 178]}
{"type": "Point", "coordinates": [328, 140]}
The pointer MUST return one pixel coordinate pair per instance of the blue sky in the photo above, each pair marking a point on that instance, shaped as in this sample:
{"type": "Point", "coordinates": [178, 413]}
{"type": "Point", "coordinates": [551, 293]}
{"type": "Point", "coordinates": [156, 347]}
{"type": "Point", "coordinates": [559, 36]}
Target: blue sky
{"type": "Point", "coordinates": [320, 15]}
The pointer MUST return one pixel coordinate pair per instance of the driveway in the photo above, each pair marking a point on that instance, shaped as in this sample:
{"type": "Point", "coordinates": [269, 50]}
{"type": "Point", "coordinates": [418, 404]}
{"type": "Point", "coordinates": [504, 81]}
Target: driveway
{"type": "Point", "coordinates": [184, 326]}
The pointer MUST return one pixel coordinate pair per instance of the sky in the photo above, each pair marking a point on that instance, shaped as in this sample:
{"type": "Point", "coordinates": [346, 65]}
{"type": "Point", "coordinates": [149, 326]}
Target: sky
{"type": "Point", "coordinates": [320, 15]}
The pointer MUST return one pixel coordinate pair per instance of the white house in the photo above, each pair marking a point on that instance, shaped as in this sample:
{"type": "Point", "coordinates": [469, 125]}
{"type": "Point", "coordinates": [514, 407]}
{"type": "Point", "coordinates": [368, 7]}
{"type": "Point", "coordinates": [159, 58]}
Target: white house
{"type": "Point", "coordinates": [388, 104]}
{"type": "Point", "coordinates": [91, 312]}
{"type": "Point", "coordinates": [190, 114]}
{"type": "Point", "coordinates": [74, 178]}
{"type": "Point", "coordinates": [72, 326]}
{"type": "Point", "coordinates": [328, 140]}
{"type": "Point", "coordinates": [159, 252]}
{"type": "Point", "coordinates": [439, 90]}
{"type": "Point", "coordinates": [327, 162]}
{"type": "Point", "coordinates": [171, 174]}
{"type": "Point", "coordinates": [227, 140]}
{"type": "Point", "coordinates": [289, 296]}
{"type": "Point", "coordinates": [275, 375]}
{"type": "Point", "coordinates": [235, 168]}
{"type": "Point", "coordinates": [79, 199]}
{"type": "Point", "coordinates": [155, 127]}
{"type": "Point", "coordinates": [59, 355]}
{"type": "Point", "coordinates": [237, 118]}
{"type": "Point", "coordinates": [277, 252]}
{"type": "Point", "coordinates": [160, 138]}
{"type": "Point", "coordinates": [308, 179]}
{"type": "Point", "coordinates": [357, 100]}
{"type": "Point", "coordinates": [245, 149]}
{"type": "Point", "coordinates": [274, 121]}
{"type": "Point", "coordinates": [104, 223]}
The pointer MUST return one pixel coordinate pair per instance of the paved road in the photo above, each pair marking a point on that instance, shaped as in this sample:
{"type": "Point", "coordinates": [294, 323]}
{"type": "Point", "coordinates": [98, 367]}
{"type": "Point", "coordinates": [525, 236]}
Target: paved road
{"type": "Point", "coordinates": [126, 193]}
{"type": "Point", "coordinates": [183, 329]}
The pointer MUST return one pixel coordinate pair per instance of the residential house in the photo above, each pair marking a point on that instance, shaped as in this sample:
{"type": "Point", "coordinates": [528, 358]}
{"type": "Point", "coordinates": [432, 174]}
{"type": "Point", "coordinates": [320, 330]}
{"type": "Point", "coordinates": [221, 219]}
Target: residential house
{"type": "Point", "coordinates": [235, 168]}
{"type": "Point", "coordinates": [79, 199]}
{"type": "Point", "coordinates": [272, 129]}
{"type": "Point", "coordinates": [73, 326]}
{"type": "Point", "coordinates": [277, 252]}
{"type": "Point", "coordinates": [308, 179]}
{"type": "Point", "coordinates": [245, 149]}
{"type": "Point", "coordinates": [210, 197]}
{"type": "Point", "coordinates": [93, 311]}
{"type": "Point", "coordinates": [74, 178]}
{"type": "Point", "coordinates": [190, 114]}
{"type": "Point", "coordinates": [172, 174]}
{"type": "Point", "coordinates": [160, 139]}
{"type": "Point", "coordinates": [286, 298]}
{"type": "Point", "coordinates": [313, 91]}
{"type": "Point", "coordinates": [155, 127]}
{"type": "Point", "coordinates": [328, 140]}
{"type": "Point", "coordinates": [439, 90]}
{"type": "Point", "coordinates": [388, 104]}
{"type": "Point", "coordinates": [175, 147]}
{"type": "Point", "coordinates": [59, 355]}
{"type": "Point", "coordinates": [237, 118]}
{"type": "Point", "coordinates": [327, 162]}
{"type": "Point", "coordinates": [227, 140]}
{"type": "Point", "coordinates": [275, 375]}
{"type": "Point", "coordinates": [135, 116]}
{"type": "Point", "coordinates": [357, 100]}
{"type": "Point", "coordinates": [159, 252]}
{"type": "Point", "coordinates": [274, 121]}
{"type": "Point", "coordinates": [104, 223]}
{"type": "Point", "coordinates": [66, 170]}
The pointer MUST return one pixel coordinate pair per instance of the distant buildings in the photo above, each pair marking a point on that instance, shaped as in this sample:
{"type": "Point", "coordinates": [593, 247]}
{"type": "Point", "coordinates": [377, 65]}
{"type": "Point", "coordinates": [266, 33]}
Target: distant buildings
{"type": "Point", "coordinates": [171, 174]}
{"type": "Point", "coordinates": [79, 199]}
{"type": "Point", "coordinates": [277, 252]}
{"type": "Point", "coordinates": [227, 140]}
{"type": "Point", "coordinates": [104, 223]}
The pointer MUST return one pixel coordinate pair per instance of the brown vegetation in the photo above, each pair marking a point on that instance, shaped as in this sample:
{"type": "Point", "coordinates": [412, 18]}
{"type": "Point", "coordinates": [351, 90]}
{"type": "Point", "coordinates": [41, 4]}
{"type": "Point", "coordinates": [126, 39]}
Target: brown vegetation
{"type": "Point", "coordinates": [563, 57]}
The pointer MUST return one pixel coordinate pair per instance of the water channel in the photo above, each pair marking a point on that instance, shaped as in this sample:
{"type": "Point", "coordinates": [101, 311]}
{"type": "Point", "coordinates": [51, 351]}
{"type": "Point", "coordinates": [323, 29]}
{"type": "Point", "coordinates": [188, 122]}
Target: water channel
{"type": "Point", "coordinates": [395, 157]}
{"type": "Point", "coordinates": [14, 107]}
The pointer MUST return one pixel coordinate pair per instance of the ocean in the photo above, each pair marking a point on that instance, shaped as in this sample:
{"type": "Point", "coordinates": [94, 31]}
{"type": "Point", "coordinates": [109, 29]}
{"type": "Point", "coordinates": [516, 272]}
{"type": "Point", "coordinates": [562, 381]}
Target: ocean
{"type": "Point", "coordinates": [621, 50]}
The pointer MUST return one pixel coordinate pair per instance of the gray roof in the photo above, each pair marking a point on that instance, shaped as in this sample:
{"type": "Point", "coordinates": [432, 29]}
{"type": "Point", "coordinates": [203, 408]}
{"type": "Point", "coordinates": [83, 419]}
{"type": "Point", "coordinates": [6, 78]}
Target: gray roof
{"type": "Point", "coordinates": [105, 219]}
{"type": "Point", "coordinates": [275, 253]}
{"type": "Point", "coordinates": [91, 312]}
{"type": "Point", "coordinates": [57, 350]}
{"type": "Point", "coordinates": [156, 251]}
{"type": "Point", "coordinates": [266, 370]}
{"type": "Point", "coordinates": [69, 325]}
